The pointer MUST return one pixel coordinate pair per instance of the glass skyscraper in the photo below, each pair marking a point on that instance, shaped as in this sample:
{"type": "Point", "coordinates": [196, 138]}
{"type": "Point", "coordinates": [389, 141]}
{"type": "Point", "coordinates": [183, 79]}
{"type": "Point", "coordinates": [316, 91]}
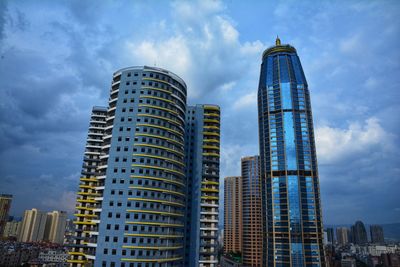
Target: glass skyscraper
{"type": "Point", "coordinates": [292, 225]}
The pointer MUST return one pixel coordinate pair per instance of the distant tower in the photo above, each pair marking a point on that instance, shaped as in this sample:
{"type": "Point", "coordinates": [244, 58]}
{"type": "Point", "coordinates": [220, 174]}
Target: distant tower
{"type": "Point", "coordinates": [55, 226]}
{"type": "Point", "coordinates": [5, 204]}
{"type": "Point", "coordinates": [33, 226]}
{"type": "Point", "coordinates": [342, 235]}
{"type": "Point", "coordinates": [233, 214]}
{"type": "Point", "coordinates": [359, 234]}
{"type": "Point", "coordinates": [331, 236]}
{"type": "Point", "coordinates": [377, 236]}
{"type": "Point", "coordinates": [292, 216]}
{"type": "Point", "coordinates": [251, 212]}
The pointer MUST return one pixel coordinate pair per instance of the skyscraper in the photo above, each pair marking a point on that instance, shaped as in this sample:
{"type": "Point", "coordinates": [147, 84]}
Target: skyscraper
{"type": "Point", "coordinates": [55, 226]}
{"type": "Point", "coordinates": [33, 226]}
{"type": "Point", "coordinates": [342, 235]}
{"type": "Point", "coordinates": [88, 203]}
{"type": "Point", "coordinates": [251, 212]}
{"type": "Point", "coordinates": [12, 228]}
{"type": "Point", "coordinates": [202, 173]}
{"type": "Point", "coordinates": [331, 236]}
{"type": "Point", "coordinates": [377, 234]}
{"type": "Point", "coordinates": [359, 234]}
{"type": "Point", "coordinates": [132, 205]}
{"type": "Point", "coordinates": [290, 185]}
{"type": "Point", "coordinates": [5, 204]}
{"type": "Point", "coordinates": [233, 214]}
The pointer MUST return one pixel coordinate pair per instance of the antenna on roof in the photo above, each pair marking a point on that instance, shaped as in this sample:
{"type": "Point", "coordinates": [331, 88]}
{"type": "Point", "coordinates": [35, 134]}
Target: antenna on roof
{"type": "Point", "coordinates": [277, 41]}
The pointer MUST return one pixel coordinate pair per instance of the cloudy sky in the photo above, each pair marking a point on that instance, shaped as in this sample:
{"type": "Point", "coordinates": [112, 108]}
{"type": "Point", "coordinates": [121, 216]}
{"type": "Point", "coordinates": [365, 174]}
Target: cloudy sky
{"type": "Point", "coordinates": [57, 59]}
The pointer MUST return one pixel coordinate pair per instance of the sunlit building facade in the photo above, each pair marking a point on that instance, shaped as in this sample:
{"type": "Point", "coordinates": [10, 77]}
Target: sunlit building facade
{"type": "Point", "coordinates": [251, 212]}
{"type": "Point", "coordinates": [293, 232]}
{"type": "Point", "coordinates": [5, 205]}
{"type": "Point", "coordinates": [233, 214]}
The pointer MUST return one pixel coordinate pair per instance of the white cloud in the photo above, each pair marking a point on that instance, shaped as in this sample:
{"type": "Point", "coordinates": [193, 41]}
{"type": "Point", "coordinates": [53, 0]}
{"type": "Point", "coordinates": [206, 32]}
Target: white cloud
{"type": "Point", "coordinates": [203, 49]}
{"type": "Point", "coordinates": [351, 44]}
{"type": "Point", "coordinates": [173, 53]}
{"type": "Point", "coordinates": [246, 101]}
{"type": "Point", "coordinates": [335, 144]}
{"type": "Point", "coordinates": [371, 83]}
{"type": "Point", "coordinates": [227, 86]}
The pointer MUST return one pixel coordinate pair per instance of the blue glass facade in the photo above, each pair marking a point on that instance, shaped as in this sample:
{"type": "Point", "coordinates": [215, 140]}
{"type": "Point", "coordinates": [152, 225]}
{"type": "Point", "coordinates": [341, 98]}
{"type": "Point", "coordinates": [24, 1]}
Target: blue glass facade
{"type": "Point", "coordinates": [290, 188]}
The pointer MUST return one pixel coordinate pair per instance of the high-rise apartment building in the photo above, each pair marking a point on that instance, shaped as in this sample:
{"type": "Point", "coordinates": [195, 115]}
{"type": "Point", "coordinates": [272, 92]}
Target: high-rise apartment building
{"type": "Point", "coordinates": [330, 235]}
{"type": "Point", "coordinates": [5, 204]}
{"type": "Point", "coordinates": [251, 212]}
{"type": "Point", "coordinates": [233, 214]}
{"type": "Point", "coordinates": [342, 235]}
{"type": "Point", "coordinates": [132, 205]}
{"type": "Point", "coordinates": [11, 230]}
{"type": "Point", "coordinates": [88, 203]}
{"type": "Point", "coordinates": [377, 236]}
{"type": "Point", "coordinates": [33, 226]}
{"type": "Point", "coordinates": [359, 234]}
{"type": "Point", "coordinates": [289, 174]}
{"type": "Point", "coordinates": [55, 226]}
{"type": "Point", "coordinates": [202, 175]}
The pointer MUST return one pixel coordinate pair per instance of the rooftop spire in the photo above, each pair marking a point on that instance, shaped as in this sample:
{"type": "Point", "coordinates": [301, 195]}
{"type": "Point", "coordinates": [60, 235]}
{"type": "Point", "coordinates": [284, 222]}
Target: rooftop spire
{"type": "Point", "coordinates": [277, 41]}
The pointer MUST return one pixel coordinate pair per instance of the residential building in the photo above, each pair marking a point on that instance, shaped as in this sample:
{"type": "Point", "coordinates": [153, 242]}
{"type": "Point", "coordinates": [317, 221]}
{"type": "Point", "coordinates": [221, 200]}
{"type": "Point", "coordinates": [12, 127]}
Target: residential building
{"type": "Point", "coordinates": [5, 205]}
{"type": "Point", "coordinates": [342, 235]}
{"type": "Point", "coordinates": [233, 214]}
{"type": "Point", "coordinates": [349, 262]}
{"type": "Point", "coordinates": [331, 235]}
{"type": "Point", "coordinates": [377, 236]}
{"type": "Point", "coordinates": [33, 226]}
{"type": "Point", "coordinates": [251, 212]}
{"type": "Point", "coordinates": [12, 228]}
{"type": "Point", "coordinates": [18, 254]}
{"type": "Point", "coordinates": [359, 234]}
{"type": "Point", "coordinates": [202, 175]}
{"type": "Point", "coordinates": [292, 219]}
{"type": "Point", "coordinates": [227, 261]}
{"type": "Point", "coordinates": [132, 206]}
{"type": "Point", "coordinates": [390, 260]}
{"type": "Point", "coordinates": [53, 257]}
{"type": "Point", "coordinates": [55, 227]}
{"type": "Point", "coordinates": [88, 203]}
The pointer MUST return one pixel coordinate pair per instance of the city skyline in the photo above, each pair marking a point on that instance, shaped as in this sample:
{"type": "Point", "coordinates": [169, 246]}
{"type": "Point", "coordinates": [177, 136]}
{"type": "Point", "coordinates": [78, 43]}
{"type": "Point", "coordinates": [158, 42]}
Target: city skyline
{"type": "Point", "coordinates": [46, 109]}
